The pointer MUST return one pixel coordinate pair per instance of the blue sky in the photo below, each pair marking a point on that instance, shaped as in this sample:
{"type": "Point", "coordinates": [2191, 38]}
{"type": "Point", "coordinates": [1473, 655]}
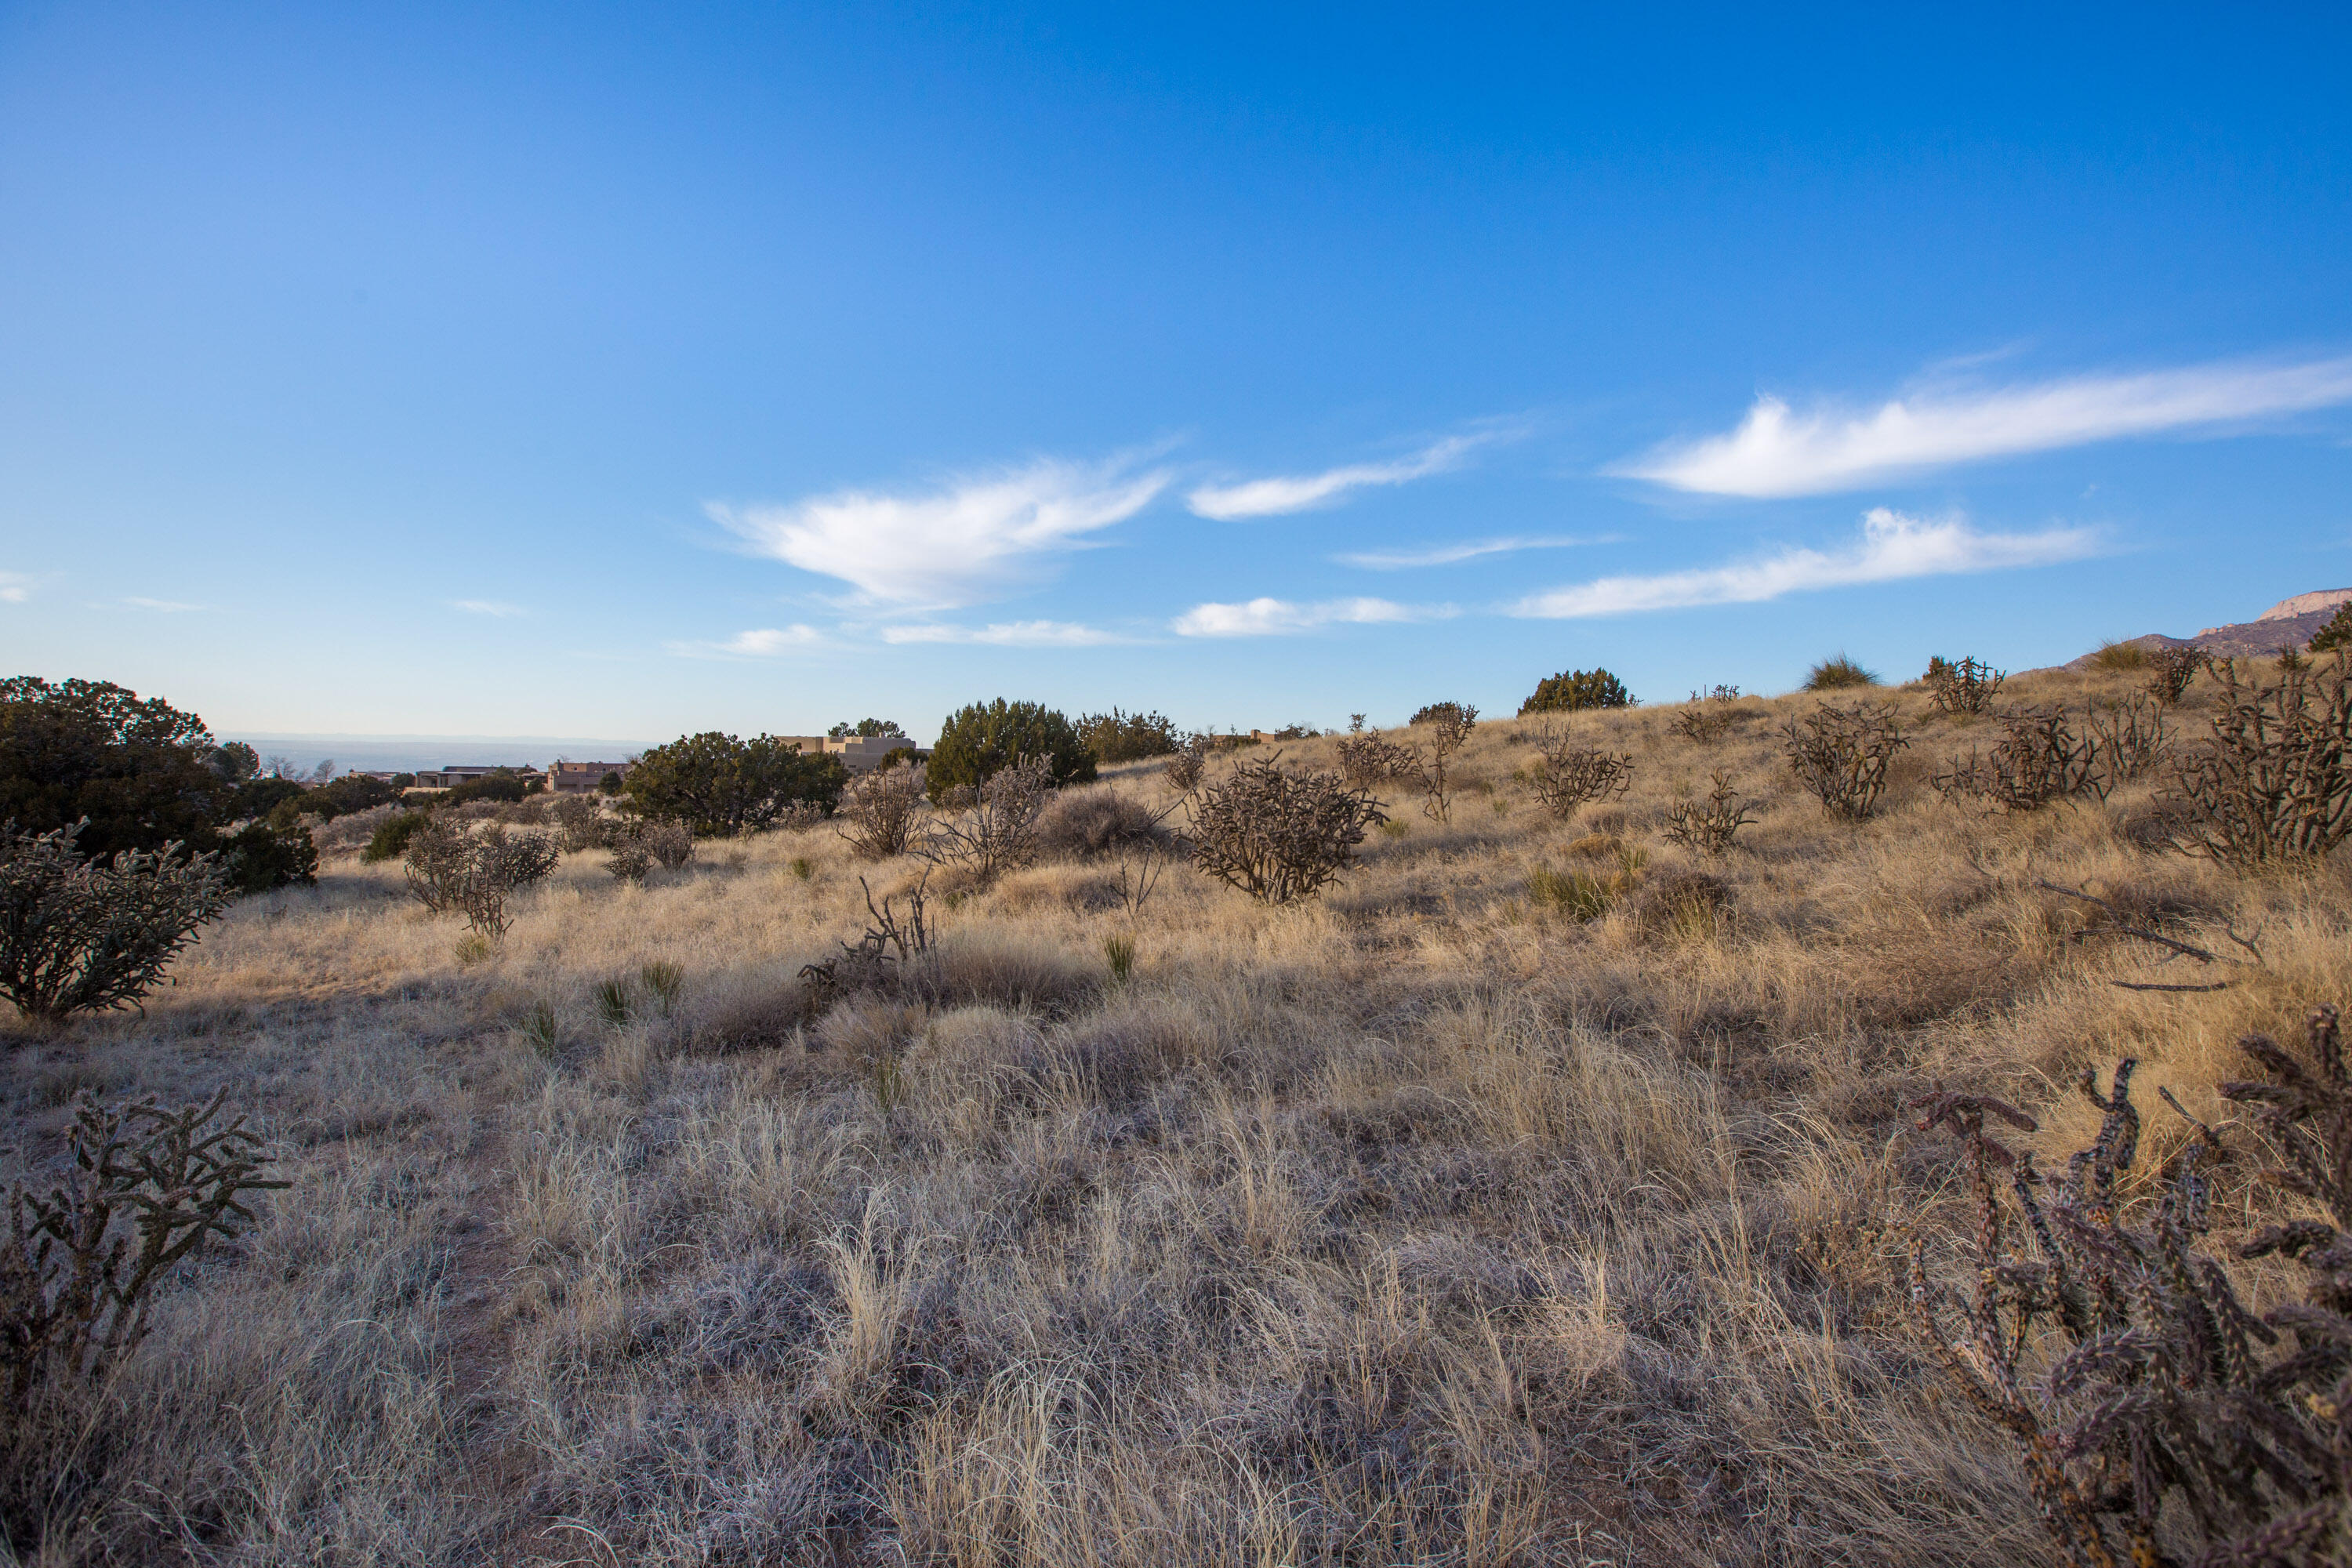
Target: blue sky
{"type": "Point", "coordinates": [603, 370]}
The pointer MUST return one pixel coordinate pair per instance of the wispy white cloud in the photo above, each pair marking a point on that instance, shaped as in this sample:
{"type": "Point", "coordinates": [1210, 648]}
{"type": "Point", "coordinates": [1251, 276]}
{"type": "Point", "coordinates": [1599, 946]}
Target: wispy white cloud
{"type": "Point", "coordinates": [1007, 634]}
{"type": "Point", "coordinates": [488, 608]}
{"type": "Point", "coordinates": [16, 587]}
{"type": "Point", "coordinates": [1269, 617]}
{"type": "Point", "coordinates": [974, 538]}
{"type": "Point", "coordinates": [1893, 546]}
{"type": "Point", "coordinates": [1469, 550]}
{"type": "Point", "coordinates": [1779, 451]}
{"type": "Point", "coordinates": [766, 642]}
{"type": "Point", "coordinates": [1299, 492]}
{"type": "Point", "coordinates": [169, 606]}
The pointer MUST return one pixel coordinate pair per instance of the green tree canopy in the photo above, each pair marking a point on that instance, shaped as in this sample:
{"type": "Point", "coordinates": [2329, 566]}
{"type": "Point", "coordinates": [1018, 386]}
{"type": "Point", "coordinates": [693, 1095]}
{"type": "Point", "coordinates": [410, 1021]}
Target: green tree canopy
{"type": "Point", "coordinates": [2337, 632]}
{"type": "Point", "coordinates": [715, 784]}
{"type": "Point", "coordinates": [864, 727]}
{"type": "Point", "coordinates": [976, 742]}
{"type": "Point", "coordinates": [1122, 737]}
{"type": "Point", "coordinates": [1572, 689]}
{"type": "Point", "coordinates": [142, 771]}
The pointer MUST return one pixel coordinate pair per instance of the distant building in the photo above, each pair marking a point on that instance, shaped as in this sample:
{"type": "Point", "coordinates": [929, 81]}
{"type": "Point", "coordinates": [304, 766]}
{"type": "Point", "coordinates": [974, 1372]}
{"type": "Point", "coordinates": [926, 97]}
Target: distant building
{"type": "Point", "coordinates": [858, 753]}
{"type": "Point", "coordinates": [582, 778]}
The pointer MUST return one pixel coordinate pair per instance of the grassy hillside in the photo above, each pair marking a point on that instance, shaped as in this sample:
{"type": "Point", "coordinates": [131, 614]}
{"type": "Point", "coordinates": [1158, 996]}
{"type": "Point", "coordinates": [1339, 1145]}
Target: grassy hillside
{"type": "Point", "coordinates": [1425, 1223]}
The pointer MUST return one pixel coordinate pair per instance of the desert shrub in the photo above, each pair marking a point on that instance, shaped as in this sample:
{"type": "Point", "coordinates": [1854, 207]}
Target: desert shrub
{"type": "Point", "coordinates": [2174, 1422]}
{"type": "Point", "coordinates": [2272, 781]}
{"type": "Point", "coordinates": [138, 773]}
{"type": "Point", "coordinates": [433, 861]}
{"type": "Point", "coordinates": [1582, 895]}
{"type": "Point", "coordinates": [718, 786]}
{"type": "Point", "coordinates": [1280, 834]}
{"type": "Point", "coordinates": [504, 785]}
{"type": "Point", "coordinates": [1090, 824]}
{"type": "Point", "coordinates": [2119, 656]}
{"type": "Point", "coordinates": [1185, 767]}
{"type": "Point", "coordinates": [878, 812]}
{"type": "Point", "coordinates": [631, 860]}
{"type": "Point", "coordinates": [803, 815]}
{"type": "Point", "coordinates": [996, 831]}
{"type": "Point", "coordinates": [1967, 686]}
{"type": "Point", "coordinates": [144, 1190]}
{"type": "Point", "coordinates": [2039, 759]}
{"type": "Point", "coordinates": [497, 866]}
{"type": "Point", "coordinates": [1122, 737]}
{"type": "Point", "coordinates": [865, 728]}
{"type": "Point", "coordinates": [1567, 777]}
{"type": "Point", "coordinates": [2336, 632]}
{"type": "Point", "coordinates": [980, 741]}
{"type": "Point", "coordinates": [578, 823]}
{"type": "Point", "coordinates": [389, 840]}
{"type": "Point", "coordinates": [264, 797]}
{"type": "Point", "coordinates": [261, 856]}
{"type": "Point", "coordinates": [2043, 757]}
{"type": "Point", "coordinates": [1838, 672]}
{"type": "Point", "coordinates": [90, 935]}
{"type": "Point", "coordinates": [1842, 756]}
{"type": "Point", "coordinates": [473, 874]}
{"type": "Point", "coordinates": [1709, 825]}
{"type": "Point", "coordinates": [1367, 761]}
{"type": "Point", "coordinates": [353, 791]}
{"type": "Point", "coordinates": [2172, 670]}
{"type": "Point", "coordinates": [1444, 727]}
{"type": "Point", "coordinates": [611, 783]}
{"type": "Point", "coordinates": [669, 844]}
{"type": "Point", "coordinates": [1573, 690]}
{"type": "Point", "coordinates": [1708, 716]}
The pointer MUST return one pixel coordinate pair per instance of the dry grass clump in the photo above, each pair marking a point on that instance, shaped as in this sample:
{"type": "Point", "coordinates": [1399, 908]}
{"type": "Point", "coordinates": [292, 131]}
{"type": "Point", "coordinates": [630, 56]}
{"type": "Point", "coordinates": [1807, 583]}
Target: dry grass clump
{"type": "Point", "coordinates": [1539, 1193]}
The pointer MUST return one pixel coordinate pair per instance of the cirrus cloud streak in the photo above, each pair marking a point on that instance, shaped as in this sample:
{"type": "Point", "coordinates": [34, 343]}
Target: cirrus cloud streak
{"type": "Point", "coordinates": [1893, 546]}
{"type": "Point", "coordinates": [1778, 451]}
{"type": "Point", "coordinates": [1275, 617]}
{"type": "Point", "coordinates": [1007, 634]}
{"type": "Point", "coordinates": [1302, 492]}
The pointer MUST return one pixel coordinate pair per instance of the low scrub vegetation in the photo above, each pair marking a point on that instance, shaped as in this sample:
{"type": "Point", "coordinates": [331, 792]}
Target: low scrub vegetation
{"type": "Point", "coordinates": [1838, 673]}
{"type": "Point", "coordinates": [1966, 686]}
{"type": "Point", "coordinates": [1122, 737]}
{"type": "Point", "coordinates": [86, 934]}
{"type": "Point", "coordinates": [1232, 1179]}
{"type": "Point", "coordinates": [980, 741]}
{"type": "Point", "coordinates": [1575, 691]}
{"type": "Point", "coordinates": [1567, 777]}
{"type": "Point", "coordinates": [2271, 782]}
{"type": "Point", "coordinates": [717, 784]}
{"type": "Point", "coordinates": [1278, 833]}
{"type": "Point", "coordinates": [1842, 756]}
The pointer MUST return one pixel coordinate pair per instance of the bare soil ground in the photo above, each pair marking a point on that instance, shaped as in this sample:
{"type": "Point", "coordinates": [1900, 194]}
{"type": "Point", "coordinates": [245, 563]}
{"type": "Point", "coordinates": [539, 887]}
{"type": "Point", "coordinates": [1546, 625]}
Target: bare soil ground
{"type": "Point", "coordinates": [1426, 1222]}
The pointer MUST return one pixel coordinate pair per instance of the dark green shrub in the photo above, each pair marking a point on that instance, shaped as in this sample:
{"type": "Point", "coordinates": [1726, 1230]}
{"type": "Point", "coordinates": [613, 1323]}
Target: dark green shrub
{"type": "Point", "coordinates": [1572, 690]}
{"type": "Point", "coordinates": [502, 785]}
{"type": "Point", "coordinates": [264, 797]}
{"type": "Point", "coordinates": [138, 772]}
{"type": "Point", "coordinates": [80, 935]}
{"type": "Point", "coordinates": [1122, 737]}
{"type": "Point", "coordinates": [1838, 671]}
{"type": "Point", "coordinates": [2336, 632]}
{"type": "Point", "coordinates": [390, 837]}
{"type": "Point", "coordinates": [261, 856]}
{"type": "Point", "coordinates": [353, 791]}
{"type": "Point", "coordinates": [844, 730]}
{"type": "Point", "coordinates": [403, 780]}
{"type": "Point", "coordinates": [901, 756]}
{"type": "Point", "coordinates": [611, 783]}
{"type": "Point", "coordinates": [985, 738]}
{"type": "Point", "coordinates": [715, 784]}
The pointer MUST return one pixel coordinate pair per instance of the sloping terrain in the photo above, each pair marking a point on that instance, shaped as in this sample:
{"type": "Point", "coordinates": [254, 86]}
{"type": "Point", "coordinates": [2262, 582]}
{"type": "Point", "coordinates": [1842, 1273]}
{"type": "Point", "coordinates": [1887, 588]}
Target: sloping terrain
{"type": "Point", "coordinates": [1542, 1194]}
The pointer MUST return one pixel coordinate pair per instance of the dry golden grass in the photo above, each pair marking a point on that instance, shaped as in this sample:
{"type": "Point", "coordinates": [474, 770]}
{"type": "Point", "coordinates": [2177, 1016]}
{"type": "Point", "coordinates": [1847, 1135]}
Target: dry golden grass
{"type": "Point", "coordinates": [1429, 1223]}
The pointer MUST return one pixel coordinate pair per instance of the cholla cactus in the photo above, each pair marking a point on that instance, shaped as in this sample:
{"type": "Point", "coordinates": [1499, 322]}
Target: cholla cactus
{"type": "Point", "coordinates": [2174, 1423]}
